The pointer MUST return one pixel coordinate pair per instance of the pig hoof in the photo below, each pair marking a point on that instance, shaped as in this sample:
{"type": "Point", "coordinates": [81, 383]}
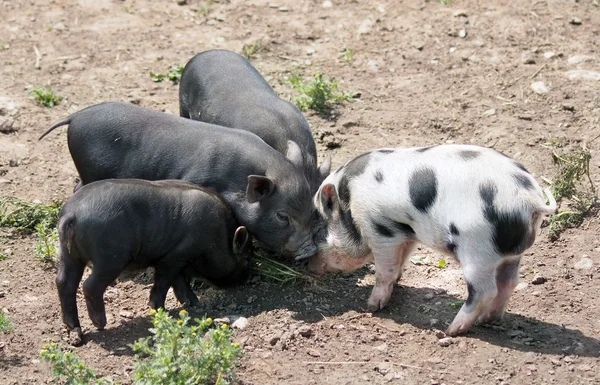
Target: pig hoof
{"type": "Point", "coordinates": [99, 322]}
{"type": "Point", "coordinates": [75, 335]}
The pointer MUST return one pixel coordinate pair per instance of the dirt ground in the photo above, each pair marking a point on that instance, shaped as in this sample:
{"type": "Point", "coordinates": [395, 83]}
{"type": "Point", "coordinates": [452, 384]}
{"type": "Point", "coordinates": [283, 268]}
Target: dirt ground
{"type": "Point", "coordinates": [427, 73]}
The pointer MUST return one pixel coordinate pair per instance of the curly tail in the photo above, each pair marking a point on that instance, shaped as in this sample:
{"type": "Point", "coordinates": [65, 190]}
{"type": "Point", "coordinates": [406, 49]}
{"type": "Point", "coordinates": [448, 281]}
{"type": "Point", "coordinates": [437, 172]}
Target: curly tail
{"type": "Point", "coordinates": [66, 120]}
{"type": "Point", "coordinates": [551, 207]}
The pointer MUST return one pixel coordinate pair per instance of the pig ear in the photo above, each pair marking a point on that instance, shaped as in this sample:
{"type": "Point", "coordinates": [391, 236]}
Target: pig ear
{"type": "Point", "coordinates": [240, 240]}
{"type": "Point", "coordinates": [294, 153]}
{"type": "Point", "coordinates": [325, 168]}
{"type": "Point", "coordinates": [258, 187]}
{"type": "Point", "coordinates": [329, 199]}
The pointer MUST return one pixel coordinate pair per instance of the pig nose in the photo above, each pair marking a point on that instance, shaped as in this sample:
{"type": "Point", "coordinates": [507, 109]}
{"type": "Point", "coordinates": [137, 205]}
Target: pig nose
{"type": "Point", "coordinates": [306, 251]}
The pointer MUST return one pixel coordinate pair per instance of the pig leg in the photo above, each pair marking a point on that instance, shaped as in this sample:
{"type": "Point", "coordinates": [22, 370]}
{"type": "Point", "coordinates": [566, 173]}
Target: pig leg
{"type": "Point", "coordinates": [389, 263]}
{"type": "Point", "coordinates": [164, 278]}
{"type": "Point", "coordinates": [507, 278]}
{"type": "Point", "coordinates": [69, 275]}
{"type": "Point", "coordinates": [480, 276]}
{"type": "Point", "coordinates": [184, 293]}
{"type": "Point", "coordinates": [94, 288]}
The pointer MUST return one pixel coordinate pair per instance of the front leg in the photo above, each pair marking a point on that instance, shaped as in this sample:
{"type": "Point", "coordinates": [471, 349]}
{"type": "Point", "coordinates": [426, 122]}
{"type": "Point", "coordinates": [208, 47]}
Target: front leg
{"type": "Point", "coordinates": [389, 263]}
{"type": "Point", "coordinates": [184, 293]}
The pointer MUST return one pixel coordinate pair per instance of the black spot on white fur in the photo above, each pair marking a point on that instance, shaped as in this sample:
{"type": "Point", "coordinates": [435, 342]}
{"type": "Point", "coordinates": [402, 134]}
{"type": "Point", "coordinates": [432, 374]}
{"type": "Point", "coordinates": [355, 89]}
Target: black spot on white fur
{"type": "Point", "coordinates": [511, 230]}
{"type": "Point", "coordinates": [423, 149]}
{"type": "Point", "coordinates": [423, 188]}
{"type": "Point", "coordinates": [523, 181]}
{"type": "Point", "coordinates": [378, 176]}
{"type": "Point", "coordinates": [469, 154]}
{"type": "Point", "coordinates": [471, 297]}
{"type": "Point", "coordinates": [520, 166]}
{"type": "Point", "coordinates": [404, 228]}
{"type": "Point", "coordinates": [352, 169]}
{"type": "Point", "coordinates": [454, 229]}
{"type": "Point", "coordinates": [451, 246]}
{"type": "Point", "coordinates": [383, 230]}
{"type": "Point", "coordinates": [385, 151]}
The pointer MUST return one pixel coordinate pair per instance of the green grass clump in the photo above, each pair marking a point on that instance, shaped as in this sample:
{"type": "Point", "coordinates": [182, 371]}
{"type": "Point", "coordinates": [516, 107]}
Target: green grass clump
{"type": "Point", "coordinates": [68, 368]}
{"type": "Point", "coordinates": [3, 256]}
{"type": "Point", "coordinates": [46, 246]}
{"type": "Point", "coordinates": [273, 270]}
{"type": "Point", "coordinates": [348, 55]}
{"type": "Point", "coordinates": [319, 93]}
{"type": "Point", "coordinates": [45, 97]}
{"type": "Point", "coordinates": [249, 50]}
{"type": "Point", "coordinates": [173, 75]}
{"type": "Point", "coordinates": [574, 168]}
{"type": "Point", "coordinates": [180, 353]}
{"type": "Point", "coordinates": [24, 215]}
{"type": "Point", "coordinates": [5, 324]}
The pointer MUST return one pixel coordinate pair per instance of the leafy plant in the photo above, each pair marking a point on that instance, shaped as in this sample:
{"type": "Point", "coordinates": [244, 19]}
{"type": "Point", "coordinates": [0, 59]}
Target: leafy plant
{"type": "Point", "coordinates": [5, 324]}
{"type": "Point", "coordinates": [173, 75]}
{"type": "Point", "coordinates": [3, 256]}
{"type": "Point", "coordinates": [249, 50]}
{"type": "Point", "coordinates": [24, 215]}
{"type": "Point", "coordinates": [348, 55]}
{"type": "Point", "coordinates": [180, 353]}
{"type": "Point", "coordinates": [45, 97]}
{"type": "Point", "coordinates": [67, 366]}
{"type": "Point", "coordinates": [46, 244]}
{"type": "Point", "coordinates": [573, 168]}
{"type": "Point", "coordinates": [319, 93]}
{"type": "Point", "coordinates": [442, 263]}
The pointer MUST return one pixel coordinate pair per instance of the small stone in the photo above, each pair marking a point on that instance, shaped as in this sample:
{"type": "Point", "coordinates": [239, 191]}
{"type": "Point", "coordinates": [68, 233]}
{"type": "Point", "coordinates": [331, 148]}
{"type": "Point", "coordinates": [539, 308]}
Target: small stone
{"type": "Point", "coordinates": [440, 334]}
{"type": "Point", "coordinates": [419, 45]}
{"type": "Point", "coordinates": [446, 341]}
{"type": "Point", "coordinates": [452, 49]}
{"type": "Point", "coordinates": [222, 320]}
{"type": "Point", "coordinates": [428, 296]}
{"type": "Point", "coordinates": [181, 2]}
{"type": "Point", "coordinates": [489, 112]}
{"type": "Point", "coordinates": [460, 13]}
{"type": "Point", "coordinates": [521, 286]}
{"type": "Point", "coordinates": [539, 279]}
{"type": "Point", "coordinates": [365, 27]}
{"type": "Point", "coordinates": [582, 74]}
{"type": "Point", "coordinates": [433, 322]}
{"type": "Point", "coordinates": [373, 66]}
{"type": "Point", "coordinates": [382, 348]}
{"type": "Point", "coordinates": [274, 5]}
{"type": "Point", "coordinates": [310, 50]}
{"type": "Point", "coordinates": [7, 125]}
{"type": "Point", "coordinates": [584, 263]}
{"type": "Point", "coordinates": [240, 323]}
{"type": "Point", "coordinates": [462, 33]}
{"type": "Point", "coordinates": [549, 55]}
{"type": "Point", "coordinates": [515, 333]}
{"type": "Point", "coordinates": [283, 9]}
{"type": "Point", "coordinates": [251, 299]}
{"type": "Point", "coordinates": [539, 88]}
{"type": "Point", "coordinates": [575, 21]}
{"type": "Point", "coordinates": [568, 107]}
{"type": "Point", "coordinates": [578, 59]}
{"type": "Point", "coordinates": [327, 4]}
{"type": "Point", "coordinates": [126, 314]}
{"type": "Point", "coordinates": [478, 43]}
{"type": "Point", "coordinates": [313, 353]}
{"type": "Point", "coordinates": [527, 58]}
{"type": "Point", "coordinates": [59, 26]}
{"type": "Point", "coordinates": [305, 331]}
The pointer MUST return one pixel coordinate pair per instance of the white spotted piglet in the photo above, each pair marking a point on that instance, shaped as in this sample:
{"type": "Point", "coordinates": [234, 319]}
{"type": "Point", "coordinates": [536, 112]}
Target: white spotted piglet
{"type": "Point", "coordinates": [473, 203]}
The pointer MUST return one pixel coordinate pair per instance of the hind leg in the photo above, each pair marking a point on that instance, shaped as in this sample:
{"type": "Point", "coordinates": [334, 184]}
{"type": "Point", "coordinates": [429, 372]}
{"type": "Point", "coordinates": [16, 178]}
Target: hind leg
{"type": "Point", "coordinates": [507, 278]}
{"type": "Point", "coordinates": [389, 263]}
{"type": "Point", "coordinates": [94, 288]}
{"type": "Point", "coordinates": [164, 278]}
{"type": "Point", "coordinates": [481, 284]}
{"type": "Point", "coordinates": [184, 293]}
{"type": "Point", "coordinates": [67, 281]}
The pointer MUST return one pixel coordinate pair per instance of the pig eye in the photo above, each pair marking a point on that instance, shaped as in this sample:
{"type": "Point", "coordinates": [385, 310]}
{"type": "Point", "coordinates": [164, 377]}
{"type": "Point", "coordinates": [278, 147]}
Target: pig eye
{"type": "Point", "coordinates": [282, 217]}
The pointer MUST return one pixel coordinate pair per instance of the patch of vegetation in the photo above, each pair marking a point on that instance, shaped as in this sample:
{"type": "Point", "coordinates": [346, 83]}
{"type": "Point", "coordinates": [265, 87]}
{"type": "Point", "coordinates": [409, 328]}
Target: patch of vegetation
{"type": "Point", "coordinates": [5, 324]}
{"type": "Point", "coordinates": [45, 97]}
{"type": "Point", "coordinates": [442, 263]}
{"type": "Point", "coordinates": [173, 75]}
{"type": "Point", "coordinates": [249, 50]}
{"type": "Point", "coordinates": [320, 93]}
{"type": "Point", "coordinates": [273, 270]}
{"type": "Point", "coordinates": [4, 46]}
{"type": "Point", "coordinates": [46, 246]}
{"type": "Point", "coordinates": [176, 353]}
{"type": "Point", "coordinates": [348, 55]}
{"type": "Point", "coordinates": [574, 184]}
{"type": "Point", "coordinates": [3, 256]}
{"type": "Point", "coordinates": [69, 369]}
{"type": "Point", "coordinates": [24, 215]}
{"type": "Point", "coordinates": [180, 353]}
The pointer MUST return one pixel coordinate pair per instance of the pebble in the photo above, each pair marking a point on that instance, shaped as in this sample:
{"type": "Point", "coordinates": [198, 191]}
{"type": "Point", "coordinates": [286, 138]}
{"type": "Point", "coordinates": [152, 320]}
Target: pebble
{"type": "Point", "coordinates": [539, 88]}
{"type": "Point", "coordinates": [382, 348]}
{"type": "Point", "coordinates": [577, 59]}
{"type": "Point", "coordinates": [365, 27]}
{"type": "Point", "coordinates": [460, 13]}
{"type": "Point", "coordinates": [549, 55]}
{"type": "Point", "coordinates": [583, 74]}
{"type": "Point", "coordinates": [429, 296]}
{"type": "Point", "coordinates": [489, 112]}
{"type": "Point", "coordinates": [327, 4]}
{"type": "Point", "coordinates": [373, 66]}
{"type": "Point", "coordinates": [521, 286]}
{"type": "Point", "coordinates": [584, 263]}
{"type": "Point", "coordinates": [313, 353]}
{"type": "Point", "coordinates": [126, 314]}
{"type": "Point", "coordinates": [440, 334]}
{"type": "Point", "coordinates": [7, 125]}
{"type": "Point", "coordinates": [283, 8]}
{"type": "Point", "coordinates": [527, 58]}
{"type": "Point", "coordinates": [539, 279]}
{"type": "Point", "coordinates": [240, 323]}
{"type": "Point", "coordinates": [446, 341]}
{"type": "Point", "coordinates": [181, 2]}
{"type": "Point", "coordinates": [305, 331]}
{"type": "Point", "coordinates": [433, 321]}
{"type": "Point", "coordinates": [462, 33]}
{"type": "Point", "coordinates": [478, 43]}
{"type": "Point", "coordinates": [222, 320]}
{"type": "Point", "coordinates": [575, 21]}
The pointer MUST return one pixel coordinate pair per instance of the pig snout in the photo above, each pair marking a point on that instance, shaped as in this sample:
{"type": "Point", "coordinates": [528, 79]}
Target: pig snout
{"type": "Point", "coordinates": [317, 266]}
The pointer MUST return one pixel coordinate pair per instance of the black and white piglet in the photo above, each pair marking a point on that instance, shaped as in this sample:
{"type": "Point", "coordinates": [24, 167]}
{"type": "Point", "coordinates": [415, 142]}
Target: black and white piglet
{"type": "Point", "coordinates": [474, 203]}
{"type": "Point", "coordinates": [180, 229]}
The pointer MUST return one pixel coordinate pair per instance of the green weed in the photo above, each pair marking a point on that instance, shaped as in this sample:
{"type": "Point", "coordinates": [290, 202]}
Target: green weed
{"type": "Point", "coordinates": [348, 55]}
{"type": "Point", "coordinates": [574, 168]}
{"type": "Point", "coordinates": [5, 324]}
{"type": "Point", "coordinates": [46, 246]}
{"type": "Point", "coordinates": [68, 368]}
{"type": "Point", "coordinates": [3, 256]}
{"type": "Point", "coordinates": [45, 97]}
{"type": "Point", "coordinates": [173, 75]}
{"type": "Point", "coordinates": [249, 50]}
{"type": "Point", "coordinates": [23, 215]}
{"type": "Point", "coordinates": [274, 270]}
{"type": "Point", "coordinates": [319, 93]}
{"type": "Point", "coordinates": [180, 353]}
